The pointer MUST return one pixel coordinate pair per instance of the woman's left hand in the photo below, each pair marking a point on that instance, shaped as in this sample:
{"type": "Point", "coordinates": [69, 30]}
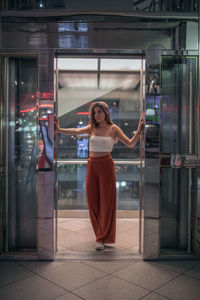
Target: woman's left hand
{"type": "Point", "coordinates": [141, 124]}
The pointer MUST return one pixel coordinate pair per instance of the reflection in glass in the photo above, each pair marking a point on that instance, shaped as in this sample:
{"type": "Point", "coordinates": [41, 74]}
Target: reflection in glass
{"type": "Point", "coordinates": [76, 91]}
{"type": "Point", "coordinates": [118, 81]}
{"type": "Point", "coordinates": [71, 186]}
{"type": "Point", "coordinates": [83, 80]}
{"type": "Point", "coordinates": [120, 64]}
{"type": "Point", "coordinates": [138, 5]}
{"type": "Point", "coordinates": [166, 5]}
{"type": "Point", "coordinates": [152, 125]}
{"type": "Point", "coordinates": [19, 204]}
{"type": "Point", "coordinates": [78, 64]}
{"type": "Point", "coordinates": [179, 196]}
{"type": "Point", "coordinates": [179, 94]}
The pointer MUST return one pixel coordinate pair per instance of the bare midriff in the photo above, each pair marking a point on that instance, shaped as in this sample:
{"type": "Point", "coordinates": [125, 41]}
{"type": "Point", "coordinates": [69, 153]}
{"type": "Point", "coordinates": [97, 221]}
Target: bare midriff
{"type": "Point", "coordinates": [98, 154]}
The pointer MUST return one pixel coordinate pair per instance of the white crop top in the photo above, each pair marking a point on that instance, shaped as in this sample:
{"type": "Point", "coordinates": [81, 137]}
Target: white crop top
{"type": "Point", "coordinates": [101, 143]}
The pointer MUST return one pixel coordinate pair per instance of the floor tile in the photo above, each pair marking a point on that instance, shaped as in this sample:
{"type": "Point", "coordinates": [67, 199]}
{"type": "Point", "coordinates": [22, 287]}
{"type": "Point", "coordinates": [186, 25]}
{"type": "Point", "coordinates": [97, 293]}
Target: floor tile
{"type": "Point", "coordinates": [183, 287]}
{"type": "Point", "coordinates": [60, 220]}
{"type": "Point", "coordinates": [126, 224]}
{"type": "Point", "coordinates": [11, 272]}
{"type": "Point", "coordinates": [63, 231]}
{"type": "Point", "coordinates": [34, 288]}
{"type": "Point", "coordinates": [110, 288]}
{"type": "Point", "coordinates": [154, 296]}
{"type": "Point", "coordinates": [87, 231]}
{"type": "Point", "coordinates": [194, 272]}
{"type": "Point", "coordinates": [72, 239]}
{"type": "Point", "coordinates": [124, 241]}
{"type": "Point", "coordinates": [40, 266]}
{"type": "Point", "coordinates": [61, 248]}
{"type": "Point", "coordinates": [68, 296]}
{"type": "Point", "coordinates": [72, 275]}
{"type": "Point", "coordinates": [134, 249]}
{"type": "Point", "coordinates": [133, 232]}
{"type": "Point", "coordinates": [74, 224]}
{"type": "Point", "coordinates": [177, 266]}
{"type": "Point", "coordinates": [76, 234]}
{"type": "Point", "coordinates": [108, 267]}
{"type": "Point", "coordinates": [88, 246]}
{"type": "Point", "coordinates": [146, 275]}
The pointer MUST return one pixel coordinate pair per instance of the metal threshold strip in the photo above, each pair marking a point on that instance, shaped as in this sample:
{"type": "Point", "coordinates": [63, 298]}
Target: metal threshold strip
{"type": "Point", "coordinates": [84, 162]}
{"type": "Point", "coordinates": [98, 255]}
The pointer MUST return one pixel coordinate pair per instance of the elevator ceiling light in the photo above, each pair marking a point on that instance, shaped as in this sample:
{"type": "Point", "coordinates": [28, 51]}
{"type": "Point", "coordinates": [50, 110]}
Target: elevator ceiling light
{"type": "Point", "coordinates": [120, 64]}
{"type": "Point", "coordinates": [78, 64]}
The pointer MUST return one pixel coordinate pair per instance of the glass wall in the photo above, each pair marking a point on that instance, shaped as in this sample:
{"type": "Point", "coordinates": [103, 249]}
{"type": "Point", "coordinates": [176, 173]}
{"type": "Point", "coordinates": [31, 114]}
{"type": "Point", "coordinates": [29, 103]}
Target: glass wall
{"type": "Point", "coordinates": [80, 82]}
{"type": "Point", "coordinates": [19, 153]}
{"type": "Point", "coordinates": [141, 5]}
{"type": "Point", "coordinates": [71, 186]}
{"type": "Point", "coordinates": [179, 198]}
{"type": "Point", "coordinates": [179, 176]}
{"type": "Point", "coordinates": [166, 5]}
{"type": "Point", "coordinates": [179, 102]}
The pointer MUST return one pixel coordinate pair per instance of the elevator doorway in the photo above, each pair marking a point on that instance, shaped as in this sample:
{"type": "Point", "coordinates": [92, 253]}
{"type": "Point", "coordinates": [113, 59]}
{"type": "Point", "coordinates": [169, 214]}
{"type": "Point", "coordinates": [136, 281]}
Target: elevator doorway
{"type": "Point", "coordinates": [120, 83]}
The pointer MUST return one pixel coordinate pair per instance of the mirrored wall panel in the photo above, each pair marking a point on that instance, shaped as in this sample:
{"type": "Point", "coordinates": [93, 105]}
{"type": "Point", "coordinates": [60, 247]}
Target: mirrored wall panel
{"type": "Point", "coordinates": [19, 154]}
{"type": "Point", "coordinates": [179, 155]}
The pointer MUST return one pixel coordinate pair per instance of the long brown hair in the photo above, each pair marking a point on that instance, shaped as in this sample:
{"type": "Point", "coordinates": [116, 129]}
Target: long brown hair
{"type": "Point", "coordinates": [104, 107]}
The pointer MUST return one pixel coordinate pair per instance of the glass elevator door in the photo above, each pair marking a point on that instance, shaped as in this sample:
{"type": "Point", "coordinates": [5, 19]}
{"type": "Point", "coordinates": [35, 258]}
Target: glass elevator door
{"type": "Point", "coordinates": [179, 154]}
{"type": "Point", "coordinates": [18, 155]}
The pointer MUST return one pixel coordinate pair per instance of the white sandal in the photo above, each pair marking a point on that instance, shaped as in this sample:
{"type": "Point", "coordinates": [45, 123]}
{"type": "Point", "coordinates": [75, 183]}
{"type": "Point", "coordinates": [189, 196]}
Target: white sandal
{"type": "Point", "coordinates": [99, 245]}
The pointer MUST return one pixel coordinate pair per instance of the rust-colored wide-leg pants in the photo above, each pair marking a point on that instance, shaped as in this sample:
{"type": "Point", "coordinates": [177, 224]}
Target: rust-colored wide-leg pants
{"type": "Point", "coordinates": [101, 197]}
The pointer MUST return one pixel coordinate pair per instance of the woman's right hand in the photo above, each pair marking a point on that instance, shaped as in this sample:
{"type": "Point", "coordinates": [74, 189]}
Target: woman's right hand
{"type": "Point", "coordinates": [56, 124]}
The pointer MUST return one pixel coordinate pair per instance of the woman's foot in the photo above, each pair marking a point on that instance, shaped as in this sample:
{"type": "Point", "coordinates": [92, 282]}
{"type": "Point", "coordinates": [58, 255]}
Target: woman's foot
{"type": "Point", "coordinates": [99, 245]}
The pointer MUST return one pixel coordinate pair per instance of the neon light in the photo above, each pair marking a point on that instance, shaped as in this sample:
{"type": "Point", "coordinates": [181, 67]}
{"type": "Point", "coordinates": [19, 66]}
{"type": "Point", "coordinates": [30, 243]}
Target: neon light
{"type": "Point", "coordinates": [28, 109]}
{"type": "Point", "coordinates": [46, 105]}
{"type": "Point", "coordinates": [46, 95]}
{"type": "Point", "coordinates": [35, 107]}
{"type": "Point", "coordinates": [83, 113]}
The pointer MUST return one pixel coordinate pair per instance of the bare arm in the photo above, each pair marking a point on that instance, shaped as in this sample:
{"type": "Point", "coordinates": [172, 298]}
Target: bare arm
{"type": "Point", "coordinates": [71, 131]}
{"type": "Point", "coordinates": [75, 131]}
{"type": "Point", "coordinates": [125, 140]}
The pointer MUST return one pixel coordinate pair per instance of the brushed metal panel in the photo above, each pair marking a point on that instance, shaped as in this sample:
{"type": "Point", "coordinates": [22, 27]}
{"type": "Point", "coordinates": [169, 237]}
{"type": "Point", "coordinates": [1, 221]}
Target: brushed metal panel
{"type": "Point", "coordinates": [46, 215]}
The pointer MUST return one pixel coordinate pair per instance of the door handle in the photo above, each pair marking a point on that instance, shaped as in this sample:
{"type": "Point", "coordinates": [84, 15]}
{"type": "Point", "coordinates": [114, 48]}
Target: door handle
{"type": "Point", "coordinates": [179, 161]}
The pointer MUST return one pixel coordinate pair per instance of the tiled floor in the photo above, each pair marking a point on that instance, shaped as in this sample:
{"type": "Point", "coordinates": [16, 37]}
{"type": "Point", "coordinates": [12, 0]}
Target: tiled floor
{"type": "Point", "coordinates": [99, 280]}
{"type": "Point", "coordinates": [76, 237]}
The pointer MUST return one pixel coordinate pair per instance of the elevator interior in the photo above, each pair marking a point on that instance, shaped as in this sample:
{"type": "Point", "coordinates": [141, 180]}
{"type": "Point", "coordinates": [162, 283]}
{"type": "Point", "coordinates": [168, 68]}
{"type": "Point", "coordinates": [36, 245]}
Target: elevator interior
{"type": "Point", "coordinates": [120, 83]}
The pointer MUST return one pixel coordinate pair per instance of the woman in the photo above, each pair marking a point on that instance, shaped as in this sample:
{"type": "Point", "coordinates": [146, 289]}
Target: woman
{"type": "Point", "coordinates": [100, 179]}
